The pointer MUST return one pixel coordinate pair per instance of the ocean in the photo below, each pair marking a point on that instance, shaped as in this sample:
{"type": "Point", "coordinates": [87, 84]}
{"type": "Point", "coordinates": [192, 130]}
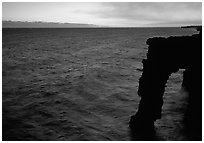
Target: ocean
{"type": "Point", "coordinates": [81, 84]}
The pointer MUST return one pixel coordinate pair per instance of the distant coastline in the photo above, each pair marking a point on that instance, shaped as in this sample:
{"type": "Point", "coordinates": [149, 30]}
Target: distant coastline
{"type": "Point", "coordinates": [41, 24]}
{"type": "Point", "coordinates": [197, 27]}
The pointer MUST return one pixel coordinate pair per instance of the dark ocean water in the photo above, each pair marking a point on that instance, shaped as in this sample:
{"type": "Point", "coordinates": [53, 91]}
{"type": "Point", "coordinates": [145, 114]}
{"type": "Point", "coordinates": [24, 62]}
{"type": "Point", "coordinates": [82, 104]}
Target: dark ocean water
{"type": "Point", "coordinates": [80, 84]}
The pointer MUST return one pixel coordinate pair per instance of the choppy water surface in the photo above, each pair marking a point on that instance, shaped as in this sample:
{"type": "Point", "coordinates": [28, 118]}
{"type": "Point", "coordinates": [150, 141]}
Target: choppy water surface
{"type": "Point", "coordinates": [80, 84]}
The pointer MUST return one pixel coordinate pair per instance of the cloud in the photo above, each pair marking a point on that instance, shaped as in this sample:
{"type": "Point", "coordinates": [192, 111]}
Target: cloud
{"type": "Point", "coordinates": [107, 13]}
{"type": "Point", "coordinates": [155, 12]}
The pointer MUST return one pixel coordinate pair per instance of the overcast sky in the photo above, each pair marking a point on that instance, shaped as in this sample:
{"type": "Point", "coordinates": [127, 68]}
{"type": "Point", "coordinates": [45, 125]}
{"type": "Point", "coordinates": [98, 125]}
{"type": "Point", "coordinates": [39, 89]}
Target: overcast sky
{"type": "Point", "coordinates": [130, 14]}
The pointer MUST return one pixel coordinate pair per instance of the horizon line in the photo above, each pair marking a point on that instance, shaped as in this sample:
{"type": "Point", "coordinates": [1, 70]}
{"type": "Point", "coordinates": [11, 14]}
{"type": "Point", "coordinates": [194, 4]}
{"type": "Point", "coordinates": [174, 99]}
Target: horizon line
{"type": "Point", "coordinates": [96, 26]}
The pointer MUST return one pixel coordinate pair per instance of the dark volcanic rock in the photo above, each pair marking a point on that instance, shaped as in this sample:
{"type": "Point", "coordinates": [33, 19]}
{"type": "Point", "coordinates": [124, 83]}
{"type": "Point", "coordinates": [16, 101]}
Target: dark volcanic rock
{"type": "Point", "coordinates": [166, 56]}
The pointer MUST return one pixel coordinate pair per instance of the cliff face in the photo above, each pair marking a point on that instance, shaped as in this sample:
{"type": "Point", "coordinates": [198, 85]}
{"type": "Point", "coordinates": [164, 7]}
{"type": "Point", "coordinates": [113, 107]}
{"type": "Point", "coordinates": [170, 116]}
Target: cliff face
{"type": "Point", "coordinates": [176, 52]}
{"type": "Point", "coordinates": [165, 56]}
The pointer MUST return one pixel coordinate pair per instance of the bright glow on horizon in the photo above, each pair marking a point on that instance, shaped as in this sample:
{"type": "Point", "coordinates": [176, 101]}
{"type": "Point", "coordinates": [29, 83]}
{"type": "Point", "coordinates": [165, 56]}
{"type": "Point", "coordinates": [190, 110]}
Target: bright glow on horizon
{"type": "Point", "coordinates": [128, 14]}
